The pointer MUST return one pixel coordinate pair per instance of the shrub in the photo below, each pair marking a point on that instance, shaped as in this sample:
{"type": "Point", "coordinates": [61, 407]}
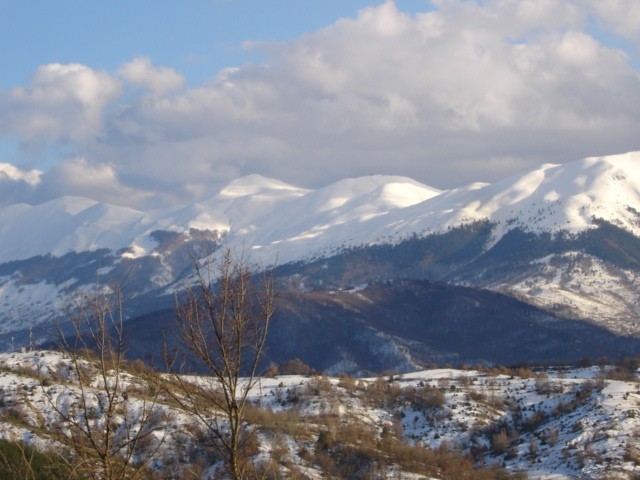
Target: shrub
{"type": "Point", "coordinates": [499, 442]}
{"type": "Point", "coordinates": [319, 385]}
{"type": "Point", "coordinates": [21, 461]}
{"type": "Point", "coordinates": [347, 382]}
{"type": "Point", "coordinates": [295, 367]}
{"type": "Point", "coordinates": [424, 398]}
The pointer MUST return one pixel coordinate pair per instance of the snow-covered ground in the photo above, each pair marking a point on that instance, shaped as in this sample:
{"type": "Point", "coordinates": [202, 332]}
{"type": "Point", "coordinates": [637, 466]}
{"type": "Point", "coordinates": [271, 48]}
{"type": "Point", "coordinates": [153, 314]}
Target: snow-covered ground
{"type": "Point", "coordinates": [582, 286]}
{"type": "Point", "coordinates": [551, 424]}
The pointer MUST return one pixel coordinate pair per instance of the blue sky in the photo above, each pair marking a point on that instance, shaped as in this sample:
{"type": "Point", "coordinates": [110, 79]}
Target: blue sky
{"type": "Point", "coordinates": [197, 37]}
{"type": "Point", "coordinates": [143, 102]}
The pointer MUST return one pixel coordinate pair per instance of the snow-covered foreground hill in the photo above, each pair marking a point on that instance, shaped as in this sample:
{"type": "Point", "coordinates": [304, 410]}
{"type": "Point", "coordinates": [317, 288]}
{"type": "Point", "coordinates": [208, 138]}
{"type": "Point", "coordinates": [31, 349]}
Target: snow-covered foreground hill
{"type": "Point", "coordinates": [549, 424]}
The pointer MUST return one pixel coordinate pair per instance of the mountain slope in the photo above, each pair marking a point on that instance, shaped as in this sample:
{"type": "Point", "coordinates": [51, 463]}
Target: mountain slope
{"type": "Point", "coordinates": [564, 238]}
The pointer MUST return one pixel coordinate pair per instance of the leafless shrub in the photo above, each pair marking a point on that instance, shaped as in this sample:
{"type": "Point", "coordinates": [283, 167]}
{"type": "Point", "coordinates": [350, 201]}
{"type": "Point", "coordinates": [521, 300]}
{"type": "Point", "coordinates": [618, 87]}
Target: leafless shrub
{"type": "Point", "coordinates": [288, 422]}
{"type": "Point", "coordinates": [500, 442]}
{"type": "Point", "coordinates": [110, 434]}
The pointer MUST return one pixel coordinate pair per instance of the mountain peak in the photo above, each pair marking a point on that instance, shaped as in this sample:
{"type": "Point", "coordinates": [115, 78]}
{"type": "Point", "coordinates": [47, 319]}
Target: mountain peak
{"type": "Point", "coordinates": [550, 198]}
{"type": "Point", "coordinates": [255, 184]}
{"type": "Point", "coordinates": [627, 159]}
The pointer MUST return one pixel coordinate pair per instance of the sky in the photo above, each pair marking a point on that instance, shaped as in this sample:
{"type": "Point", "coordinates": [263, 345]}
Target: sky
{"type": "Point", "coordinates": [149, 103]}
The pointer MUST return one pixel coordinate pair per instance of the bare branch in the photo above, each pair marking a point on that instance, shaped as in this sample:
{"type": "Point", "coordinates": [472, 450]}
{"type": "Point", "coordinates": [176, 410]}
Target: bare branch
{"type": "Point", "coordinates": [101, 424]}
{"type": "Point", "coordinates": [224, 320]}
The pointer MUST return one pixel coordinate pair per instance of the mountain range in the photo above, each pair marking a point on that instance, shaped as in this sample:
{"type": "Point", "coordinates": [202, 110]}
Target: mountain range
{"type": "Point", "coordinates": [388, 272]}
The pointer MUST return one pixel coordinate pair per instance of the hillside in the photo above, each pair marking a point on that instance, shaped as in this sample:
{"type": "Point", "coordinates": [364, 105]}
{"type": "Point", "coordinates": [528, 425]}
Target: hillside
{"type": "Point", "coordinates": [403, 325]}
{"type": "Point", "coordinates": [561, 424]}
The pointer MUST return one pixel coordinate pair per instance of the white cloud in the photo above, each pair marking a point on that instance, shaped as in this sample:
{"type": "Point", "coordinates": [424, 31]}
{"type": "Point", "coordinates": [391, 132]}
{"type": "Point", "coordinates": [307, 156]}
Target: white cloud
{"type": "Point", "coordinates": [62, 103]}
{"type": "Point", "coordinates": [621, 16]}
{"type": "Point", "coordinates": [389, 92]}
{"type": "Point", "coordinates": [468, 91]}
{"type": "Point", "coordinates": [159, 80]}
{"type": "Point", "coordinates": [12, 173]}
{"type": "Point", "coordinates": [79, 177]}
{"type": "Point", "coordinates": [17, 184]}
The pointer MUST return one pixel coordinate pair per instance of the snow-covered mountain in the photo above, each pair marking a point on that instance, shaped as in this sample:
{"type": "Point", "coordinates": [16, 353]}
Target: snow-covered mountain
{"type": "Point", "coordinates": [290, 223]}
{"type": "Point", "coordinates": [253, 210]}
{"type": "Point", "coordinates": [561, 237]}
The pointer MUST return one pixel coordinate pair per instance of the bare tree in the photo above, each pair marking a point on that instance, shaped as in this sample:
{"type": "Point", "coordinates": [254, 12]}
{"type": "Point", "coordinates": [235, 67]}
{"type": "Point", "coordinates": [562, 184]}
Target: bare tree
{"type": "Point", "coordinates": [105, 419]}
{"type": "Point", "coordinates": [224, 321]}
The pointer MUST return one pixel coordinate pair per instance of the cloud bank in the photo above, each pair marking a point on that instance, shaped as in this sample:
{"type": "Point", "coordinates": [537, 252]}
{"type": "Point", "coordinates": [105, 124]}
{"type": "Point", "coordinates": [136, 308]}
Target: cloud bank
{"type": "Point", "coordinates": [467, 91]}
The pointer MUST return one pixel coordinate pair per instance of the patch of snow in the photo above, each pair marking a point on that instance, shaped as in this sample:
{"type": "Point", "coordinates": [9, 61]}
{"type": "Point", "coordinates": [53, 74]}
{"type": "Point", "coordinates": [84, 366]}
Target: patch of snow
{"type": "Point", "coordinates": [591, 288]}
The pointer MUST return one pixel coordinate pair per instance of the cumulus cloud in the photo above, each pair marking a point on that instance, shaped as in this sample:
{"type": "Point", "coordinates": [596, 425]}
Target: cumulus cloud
{"type": "Point", "coordinates": [466, 91]}
{"type": "Point", "coordinates": [63, 103]}
{"type": "Point", "coordinates": [158, 80]}
{"type": "Point", "coordinates": [422, 95]}
{"type": "Point", "coordinates": [17, 184]}
{"type": "Point", "coordinates": [621, 16]}
{"type": "Point", "coordinates": [78, 176]}
{"type": "Point", "coordinates": [75, 176]}
{"type": "Point", "coordinates": [11, 173]}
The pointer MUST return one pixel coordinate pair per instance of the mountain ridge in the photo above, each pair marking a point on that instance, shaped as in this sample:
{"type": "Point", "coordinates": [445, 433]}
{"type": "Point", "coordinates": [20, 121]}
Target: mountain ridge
{"type": "Point", "coordinates": [562, 238]}
{"type": "Point", "coordinates": [268, 214]}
